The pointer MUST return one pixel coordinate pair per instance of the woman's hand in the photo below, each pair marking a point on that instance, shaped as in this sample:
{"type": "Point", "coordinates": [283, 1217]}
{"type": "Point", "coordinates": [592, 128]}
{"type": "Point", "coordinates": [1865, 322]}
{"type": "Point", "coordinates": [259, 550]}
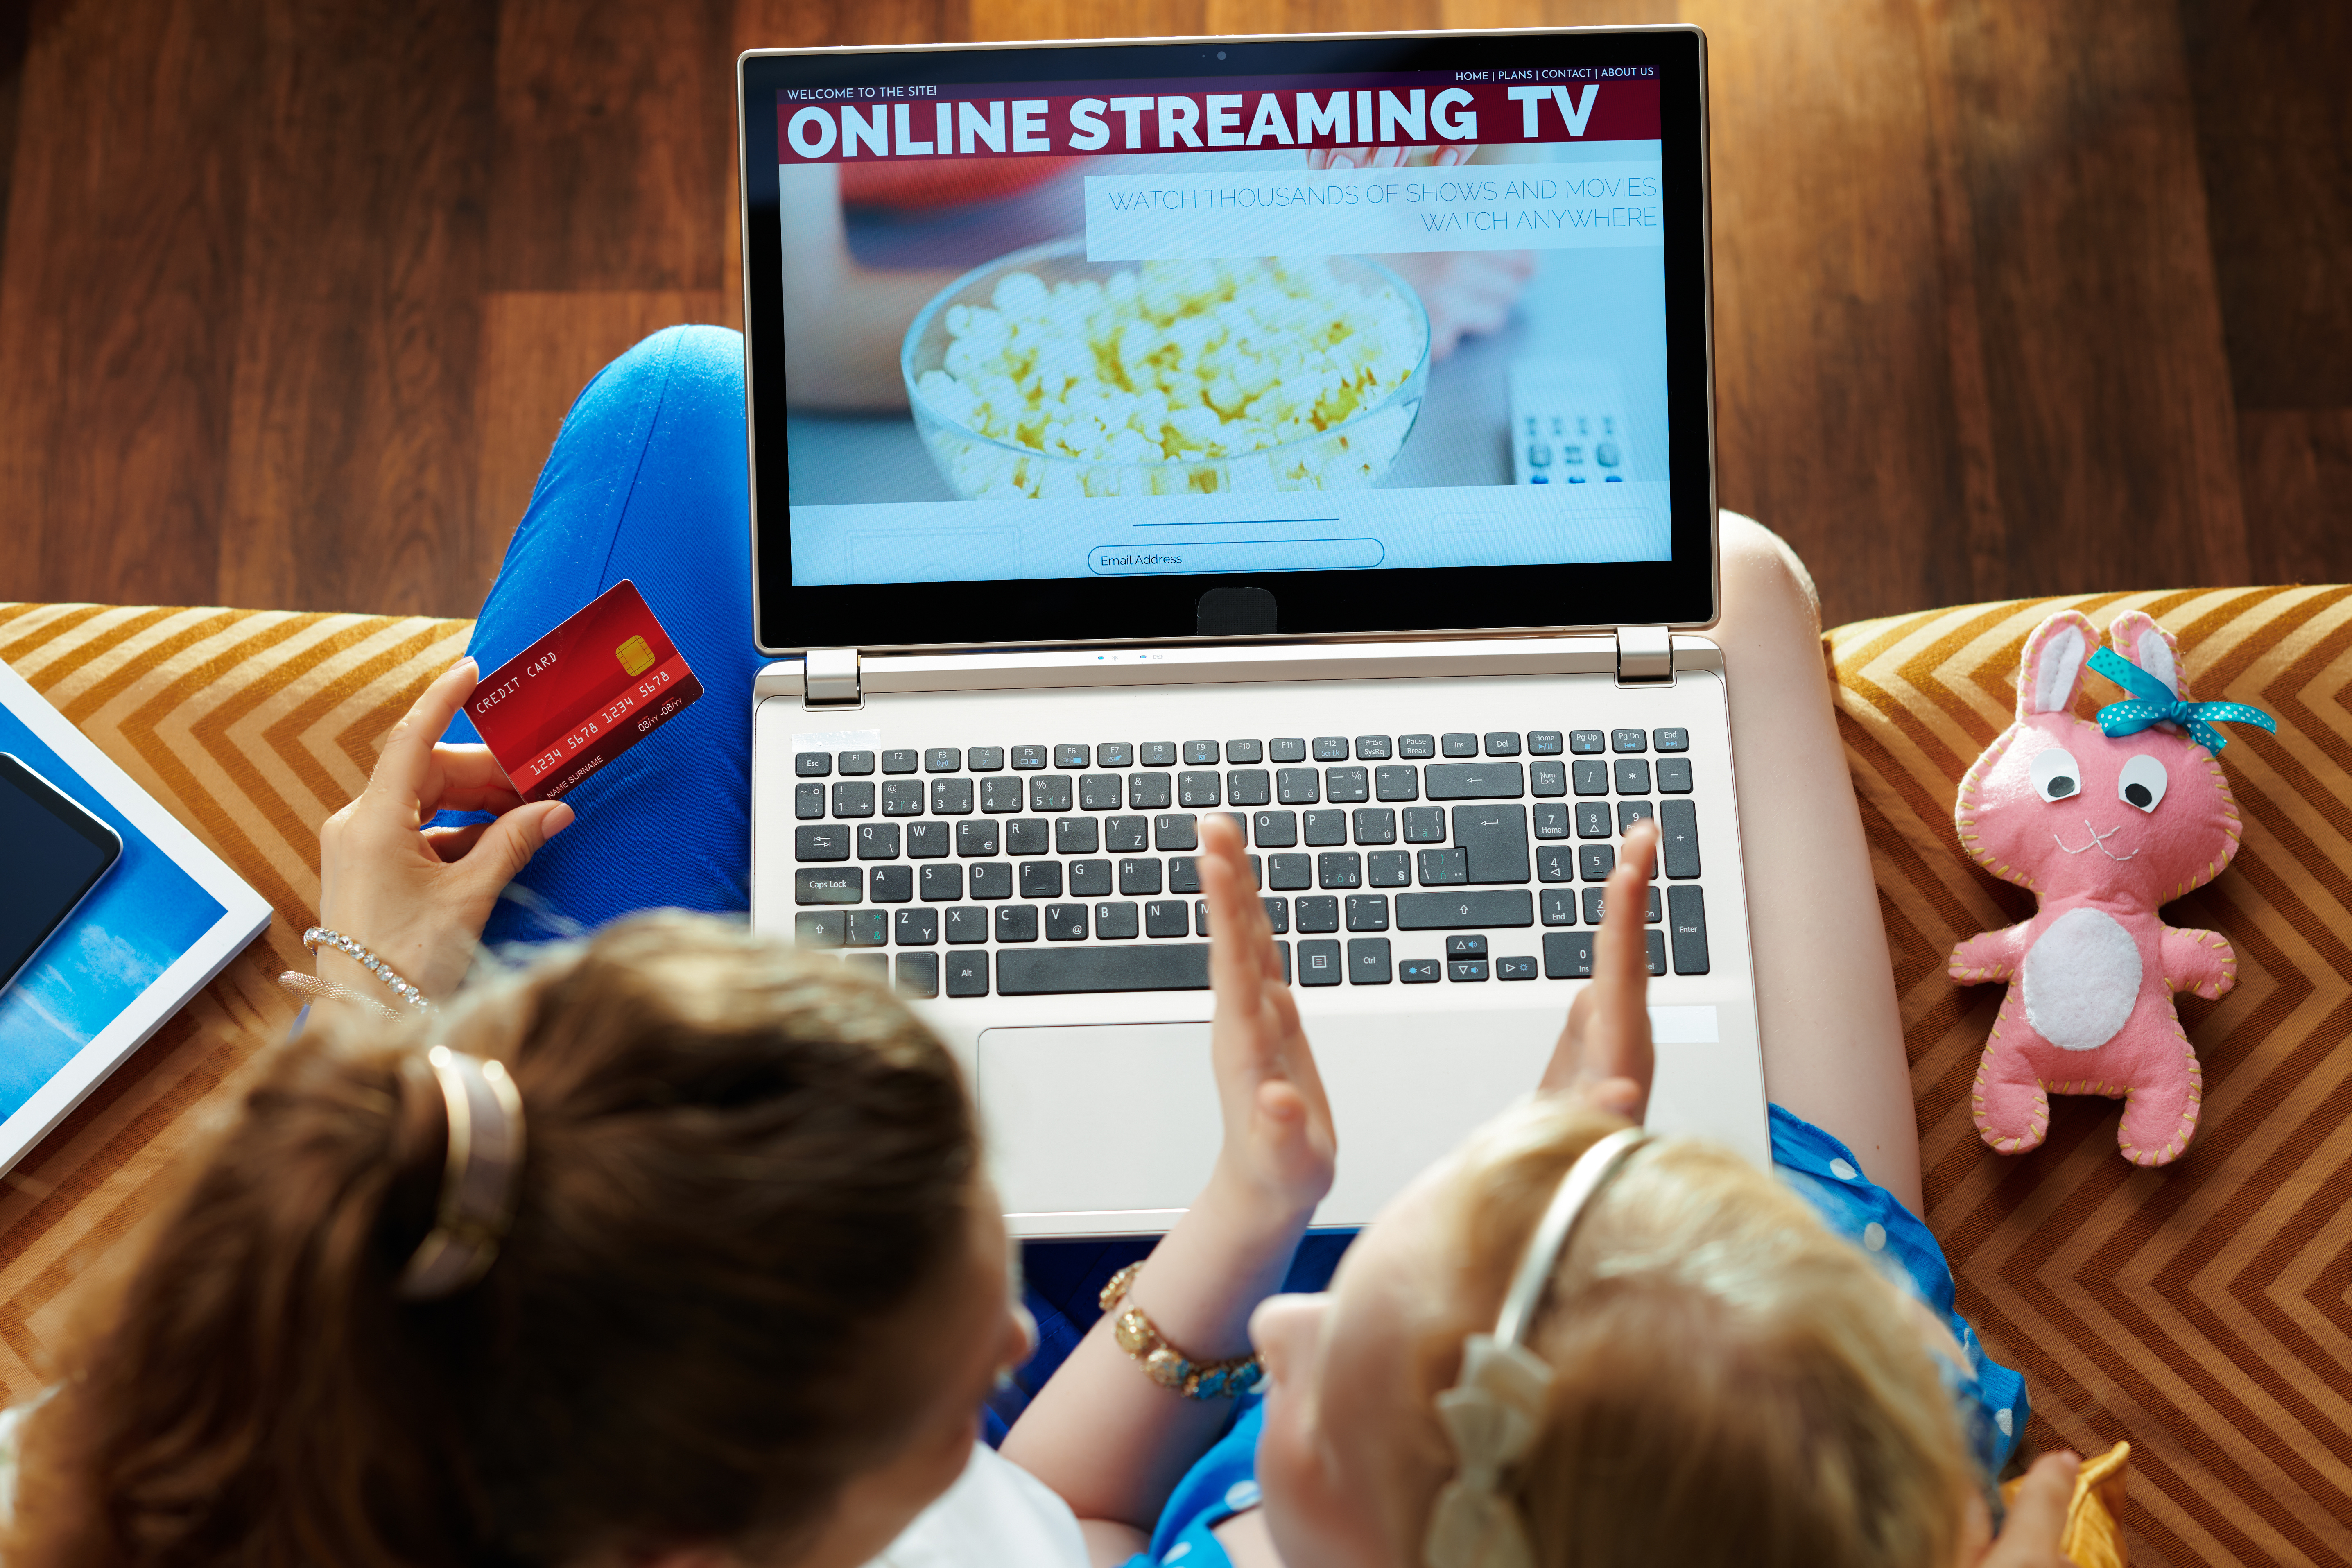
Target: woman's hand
{"type": "Point", "coordinates": [1604, 1054]}
{"type": "Point", "coordinates": [1279, 1144]}
{"type": "Point", "coordinates": [419, 897]}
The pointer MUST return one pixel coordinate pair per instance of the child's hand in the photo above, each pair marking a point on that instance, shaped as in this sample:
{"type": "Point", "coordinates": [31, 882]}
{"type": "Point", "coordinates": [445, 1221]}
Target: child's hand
{"type": "Point", "coordinates": [1603, 1054]}
{"type": "Point", "coordinates": [1279, 1144]}
{"type": "Point", "coordinates": [2036, 1522]}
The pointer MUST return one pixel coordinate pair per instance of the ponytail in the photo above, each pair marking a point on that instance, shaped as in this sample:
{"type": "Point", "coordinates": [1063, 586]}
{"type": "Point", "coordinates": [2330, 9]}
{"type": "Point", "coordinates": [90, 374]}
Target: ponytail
{"type": "Point", "coordinates": [741, 1162]}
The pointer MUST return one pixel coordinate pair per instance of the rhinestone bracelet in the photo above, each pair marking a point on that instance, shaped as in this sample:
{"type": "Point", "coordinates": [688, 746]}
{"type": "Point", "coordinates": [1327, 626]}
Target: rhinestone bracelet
{"type": "Point", "coordinates": [318, 936]}
{"type": "Point", "coordinates": [1164, 1363]}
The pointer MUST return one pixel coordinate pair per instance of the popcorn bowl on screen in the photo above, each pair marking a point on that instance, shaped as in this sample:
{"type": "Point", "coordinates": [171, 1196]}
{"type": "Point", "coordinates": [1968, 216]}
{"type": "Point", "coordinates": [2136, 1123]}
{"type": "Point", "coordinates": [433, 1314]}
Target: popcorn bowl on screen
{"type": "Point", "coordinates": [1043, 374]}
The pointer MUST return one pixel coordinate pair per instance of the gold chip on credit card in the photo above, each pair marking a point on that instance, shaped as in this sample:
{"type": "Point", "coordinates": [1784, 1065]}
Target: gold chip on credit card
{"type": "Point", "coordinates": [635, 656]}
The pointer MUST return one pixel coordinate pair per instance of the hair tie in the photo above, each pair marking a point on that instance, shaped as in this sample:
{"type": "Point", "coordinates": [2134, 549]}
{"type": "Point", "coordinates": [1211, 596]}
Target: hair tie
{"type": "Point", "coordinates": [478, 1182]}
{"type": "Point", "coordinates": [1494, 1411]}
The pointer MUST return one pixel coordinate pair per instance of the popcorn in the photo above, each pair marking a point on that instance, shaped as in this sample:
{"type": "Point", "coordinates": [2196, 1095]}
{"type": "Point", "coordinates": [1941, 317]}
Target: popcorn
{"type": "Point", "coordinates": [1174, 379]}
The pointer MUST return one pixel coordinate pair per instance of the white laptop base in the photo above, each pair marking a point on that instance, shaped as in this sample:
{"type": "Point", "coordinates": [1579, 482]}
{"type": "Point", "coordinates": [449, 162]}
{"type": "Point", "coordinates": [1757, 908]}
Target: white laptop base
{"type": "Point", "coordinates": [1031, 876]}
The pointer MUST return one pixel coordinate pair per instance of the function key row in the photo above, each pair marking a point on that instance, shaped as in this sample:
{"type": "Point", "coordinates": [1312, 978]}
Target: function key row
{"type": "Point", "coordinates": [1393, 782]}
{"type": "Point", "coordinates": [1072, 756]}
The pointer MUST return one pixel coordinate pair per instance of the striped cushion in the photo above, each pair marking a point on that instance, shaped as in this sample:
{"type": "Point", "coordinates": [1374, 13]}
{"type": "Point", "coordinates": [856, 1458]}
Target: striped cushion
{"type": "Point", "coordinates": [2201, 1309]}
{"type": "Point", "coordinates": [250, 726]}
{"type": "Point", "coordinates": [2204, 1311]}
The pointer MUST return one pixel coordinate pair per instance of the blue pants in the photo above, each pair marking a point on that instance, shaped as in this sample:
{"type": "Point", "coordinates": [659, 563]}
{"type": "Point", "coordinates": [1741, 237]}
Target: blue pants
{"type": "Point", "coordinates": [647, 482]}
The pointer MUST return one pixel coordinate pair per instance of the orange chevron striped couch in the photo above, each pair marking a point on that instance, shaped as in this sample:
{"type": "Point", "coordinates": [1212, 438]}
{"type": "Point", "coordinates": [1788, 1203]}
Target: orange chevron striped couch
{"type": "Point", "coordinates": [2204, 1311]}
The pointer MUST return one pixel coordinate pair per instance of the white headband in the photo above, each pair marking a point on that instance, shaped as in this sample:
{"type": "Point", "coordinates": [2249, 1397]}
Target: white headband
{"type": "Point", "coordinates": [478, 1182]}
{"type": "Point", "coordinates": [1493, 1412]}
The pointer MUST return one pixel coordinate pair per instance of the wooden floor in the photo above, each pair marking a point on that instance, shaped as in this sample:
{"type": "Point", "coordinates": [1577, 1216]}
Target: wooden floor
{"type": "Point", "coordinates": [2013, 296]}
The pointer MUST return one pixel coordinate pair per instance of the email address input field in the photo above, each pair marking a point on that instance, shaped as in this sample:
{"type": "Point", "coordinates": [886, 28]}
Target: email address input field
{"type": "Point", "coordinates": [1175, 556]}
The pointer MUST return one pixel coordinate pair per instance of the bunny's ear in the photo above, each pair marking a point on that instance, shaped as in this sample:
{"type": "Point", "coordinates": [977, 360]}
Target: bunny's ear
{"type": "Point", "coordinates": [2051, 670]}
{"type": "Point", "coordinates": [2150, 647]}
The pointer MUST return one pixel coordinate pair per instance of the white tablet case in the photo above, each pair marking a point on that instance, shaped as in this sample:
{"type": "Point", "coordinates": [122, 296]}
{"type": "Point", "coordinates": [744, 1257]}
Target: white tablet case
{"type": "Point", "coordinates": [244, 914]}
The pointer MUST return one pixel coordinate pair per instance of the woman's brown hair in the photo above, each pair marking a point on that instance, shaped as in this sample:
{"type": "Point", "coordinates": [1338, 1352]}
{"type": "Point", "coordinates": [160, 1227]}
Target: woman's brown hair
{"type": "Point", "coordinates": [743, 1165]}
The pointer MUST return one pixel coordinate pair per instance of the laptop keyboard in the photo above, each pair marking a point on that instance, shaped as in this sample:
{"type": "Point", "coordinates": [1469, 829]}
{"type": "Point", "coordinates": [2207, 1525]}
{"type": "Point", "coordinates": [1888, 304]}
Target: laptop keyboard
{"type": "Point", "coordinates": [1428, 858]}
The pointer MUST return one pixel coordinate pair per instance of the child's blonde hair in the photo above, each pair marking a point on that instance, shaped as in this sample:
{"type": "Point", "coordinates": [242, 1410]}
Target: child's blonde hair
{"type": "Point", "coordinates": [1734, 1383]}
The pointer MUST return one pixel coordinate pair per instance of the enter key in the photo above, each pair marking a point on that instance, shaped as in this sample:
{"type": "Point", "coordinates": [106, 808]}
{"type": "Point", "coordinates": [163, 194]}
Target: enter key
{"type": "Point", "coordinates": [1496, 840]}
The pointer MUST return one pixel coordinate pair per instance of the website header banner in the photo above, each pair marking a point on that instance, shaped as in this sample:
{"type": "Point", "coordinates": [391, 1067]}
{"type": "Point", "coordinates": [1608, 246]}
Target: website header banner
{"type": "Point", "coordinates": [837, 124]}
{"type": "Point", "coordinates": [1534, 207]}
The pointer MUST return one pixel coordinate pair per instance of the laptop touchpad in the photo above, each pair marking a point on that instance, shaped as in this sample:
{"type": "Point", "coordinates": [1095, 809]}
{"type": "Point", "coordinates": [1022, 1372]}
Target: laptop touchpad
{"type": "Point", "coordinates": [1118, 1117]}
{"type": "Point", "coordinates": [1120, 1121]}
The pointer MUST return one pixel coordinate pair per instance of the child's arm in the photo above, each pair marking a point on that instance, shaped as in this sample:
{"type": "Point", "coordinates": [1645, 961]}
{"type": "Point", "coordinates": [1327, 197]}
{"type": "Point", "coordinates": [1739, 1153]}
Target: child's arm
{"type": "Point", "coordinates": [1100, 1433]}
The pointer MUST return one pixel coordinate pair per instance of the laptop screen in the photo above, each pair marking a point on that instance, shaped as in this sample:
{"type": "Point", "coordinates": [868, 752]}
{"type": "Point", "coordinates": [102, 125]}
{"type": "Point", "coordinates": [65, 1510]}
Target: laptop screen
{"type": "Point", "coordinates": [1344, 322]}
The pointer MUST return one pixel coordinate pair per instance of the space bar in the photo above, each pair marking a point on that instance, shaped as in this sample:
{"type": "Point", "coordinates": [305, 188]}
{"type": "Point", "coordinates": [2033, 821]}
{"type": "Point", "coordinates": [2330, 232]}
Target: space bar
{"type": "Point", "coordinates": [1160, 966]}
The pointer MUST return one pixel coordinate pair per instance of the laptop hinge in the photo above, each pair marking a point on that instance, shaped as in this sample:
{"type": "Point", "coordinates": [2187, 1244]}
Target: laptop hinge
{"type": "Point", "coordinates": [1645, 654]}
{"type": "Point", "coordinates": [830, 678]}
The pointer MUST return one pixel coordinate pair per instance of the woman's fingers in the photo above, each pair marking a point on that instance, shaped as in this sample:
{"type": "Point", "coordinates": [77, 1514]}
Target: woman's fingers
{"type": "Point", "coordinates": [505, 846]}
{"type": "Point", "coordinates": [465, 778]}
{"type": "Point", "coordinates": [403, 771]}
{"type": "Point", "coordinates": [450, 844]}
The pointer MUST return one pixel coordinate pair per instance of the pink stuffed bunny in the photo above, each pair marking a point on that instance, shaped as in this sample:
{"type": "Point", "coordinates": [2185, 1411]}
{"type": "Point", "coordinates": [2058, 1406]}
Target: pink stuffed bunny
{"type": "Point", "coordinates": [2105, 822]}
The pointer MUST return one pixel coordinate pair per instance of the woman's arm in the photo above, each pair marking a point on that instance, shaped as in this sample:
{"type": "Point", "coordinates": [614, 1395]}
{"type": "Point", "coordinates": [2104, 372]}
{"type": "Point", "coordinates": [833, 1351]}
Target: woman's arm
{"type": "Point", "coordinates": [1103, 1434]}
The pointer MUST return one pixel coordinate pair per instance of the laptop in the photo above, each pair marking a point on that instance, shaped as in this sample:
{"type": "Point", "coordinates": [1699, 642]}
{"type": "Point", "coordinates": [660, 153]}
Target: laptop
{"type": "Point", "coordinates": [1319, 430]}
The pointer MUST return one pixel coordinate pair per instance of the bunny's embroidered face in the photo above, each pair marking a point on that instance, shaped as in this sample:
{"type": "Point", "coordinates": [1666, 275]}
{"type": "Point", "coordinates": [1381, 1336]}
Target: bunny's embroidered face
{"type": "Point", "coordinates": [2057, 806]}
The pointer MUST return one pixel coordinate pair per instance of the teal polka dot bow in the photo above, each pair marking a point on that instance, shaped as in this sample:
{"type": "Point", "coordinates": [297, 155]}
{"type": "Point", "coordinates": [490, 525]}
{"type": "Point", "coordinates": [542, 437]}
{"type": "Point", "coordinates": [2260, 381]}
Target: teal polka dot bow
{"type": "Point", "coordinates": [2152, 702]}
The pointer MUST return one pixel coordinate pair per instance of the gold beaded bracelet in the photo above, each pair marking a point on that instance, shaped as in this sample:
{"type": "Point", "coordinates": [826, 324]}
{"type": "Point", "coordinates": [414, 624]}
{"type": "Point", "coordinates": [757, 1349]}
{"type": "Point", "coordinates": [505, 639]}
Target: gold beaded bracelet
{"type": "Point", "coordinates": [1164, 1363]}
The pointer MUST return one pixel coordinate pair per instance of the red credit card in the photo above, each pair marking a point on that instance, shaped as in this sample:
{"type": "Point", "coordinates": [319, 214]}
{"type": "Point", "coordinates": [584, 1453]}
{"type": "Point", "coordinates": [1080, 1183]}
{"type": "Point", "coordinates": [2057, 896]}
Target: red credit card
{"type": "Point", "coordinates": [581, 695]}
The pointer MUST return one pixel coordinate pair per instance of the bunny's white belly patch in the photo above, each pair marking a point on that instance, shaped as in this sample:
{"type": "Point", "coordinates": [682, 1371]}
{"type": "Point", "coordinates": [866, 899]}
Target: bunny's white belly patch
{"type": "Point", "coordinates": [2082, 980]}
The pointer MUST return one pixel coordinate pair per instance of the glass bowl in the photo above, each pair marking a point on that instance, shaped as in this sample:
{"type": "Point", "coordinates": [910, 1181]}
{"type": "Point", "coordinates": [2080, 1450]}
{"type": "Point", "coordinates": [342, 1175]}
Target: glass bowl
{"type": "Point", "coordinates": [1355, 454]}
